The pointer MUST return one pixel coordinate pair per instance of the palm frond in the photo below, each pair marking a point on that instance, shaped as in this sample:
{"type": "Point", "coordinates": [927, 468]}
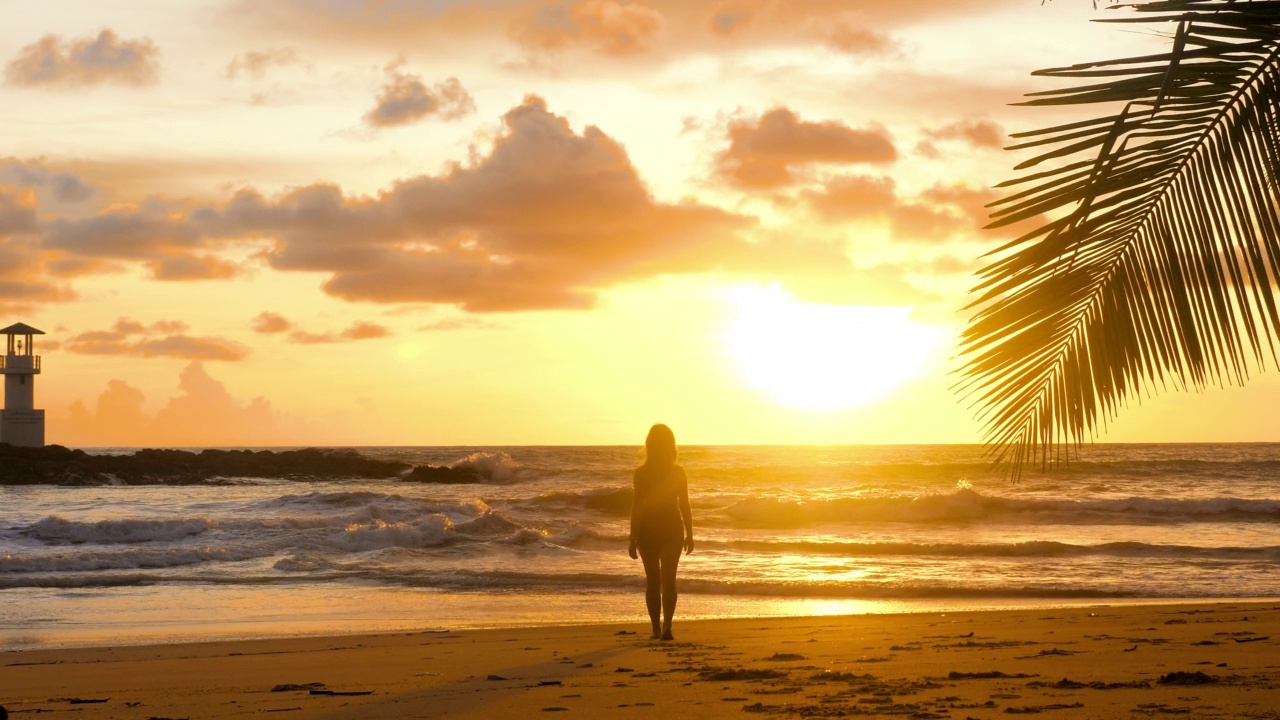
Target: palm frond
{"type": "Point", "coordinates": [1160, 262]}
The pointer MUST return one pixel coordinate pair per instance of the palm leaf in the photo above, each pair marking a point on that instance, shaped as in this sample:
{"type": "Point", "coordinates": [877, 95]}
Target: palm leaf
{"type": "Point", "coordinates": [1159, 264]}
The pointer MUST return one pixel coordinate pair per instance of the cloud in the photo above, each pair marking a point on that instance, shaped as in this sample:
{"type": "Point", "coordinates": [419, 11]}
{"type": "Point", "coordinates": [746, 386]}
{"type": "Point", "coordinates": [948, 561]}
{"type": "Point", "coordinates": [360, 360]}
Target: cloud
{"type": "Point", "coordinates": [764, 153]}
{"type": "Point", "coordinates": [181, 346]}
{"type": "Point", "coordinates": [170, 248]}
{"type": "Point", "coordinates": [953, 265]}
{"type": "Point", "coordinates": [978, 133]}
{"type": "Point", "coordinates": [463, 323]}
{"type": "Point", "coordinates": [405, 99]}
{"type": "Point", "coordinates": [546, 219]}
{"type": "Point", "coordinates": [168, 326]}
{"type": "Point", "coordinates": [174, 346]}
{"type": "Point", "coordinates": [75, 266]}
{"type": "Point", "coordinates": [24, 278]}
{"type": "Point", "coordinates": [849, 37]}
{"type": "Point", "coordinates": [727, 22]}
{"type": "Point", "coordinates": [17, 210]}
{"type": "Point", "coordinates": [203, 413]}
{"type": "Point", "coordinates": [782, 16]}
{"type": "Point", "coordinates": [619, 28]}
{"type": "Point", "coordinates": [605, 26]}
{"type": "Point", "coordinates": [65, 187]}
{"type": "Point", "coordinates": [861, 197]}
{"type": "Point", "coordinates": [180, 266]}
{"type": "Point", "coordinates": [256, 63]}
{"type": "Point", "coordinates": [357, 331]}
{"type": "Point", "coordinates": [122, 232]}
{"type": "Point", "coordinates": [126, 326]}
{"type": "Point", "coordinates": [270, 323]}
{"type": "Point", "coordinates": [205, 402]}
{"type": "Point", "coordinates": [25, 292]}
{"type": "Point", "coordinates": [365, 331]}
{"type": "Point", "coordinates": [848, 197]}
{"type": "Point", "coordinates": [940, 213]}
{"type": "Point", "coordinates": [117, 419]}
{"type": "Point", "coordinates": [51, 61]}
{"type": "Point", "coordinates": [160, 339]}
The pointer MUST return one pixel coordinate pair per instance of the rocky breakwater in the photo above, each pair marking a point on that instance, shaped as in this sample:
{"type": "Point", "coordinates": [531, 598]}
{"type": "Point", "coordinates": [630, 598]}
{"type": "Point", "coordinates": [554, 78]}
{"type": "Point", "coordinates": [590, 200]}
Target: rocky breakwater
{"type": "Point", "coordinates": [57, 465]}
{"type": "Point", "coordinates": [444, 475]}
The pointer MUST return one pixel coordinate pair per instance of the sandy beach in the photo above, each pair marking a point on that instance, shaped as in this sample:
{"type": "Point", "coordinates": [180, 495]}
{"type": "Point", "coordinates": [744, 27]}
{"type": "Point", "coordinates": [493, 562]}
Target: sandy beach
{"type": "Point", "coordinates": [1201, 661]}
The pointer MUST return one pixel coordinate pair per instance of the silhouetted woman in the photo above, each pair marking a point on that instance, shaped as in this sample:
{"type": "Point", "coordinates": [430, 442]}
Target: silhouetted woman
{"type": "Point", "coordinates": [661, 525]}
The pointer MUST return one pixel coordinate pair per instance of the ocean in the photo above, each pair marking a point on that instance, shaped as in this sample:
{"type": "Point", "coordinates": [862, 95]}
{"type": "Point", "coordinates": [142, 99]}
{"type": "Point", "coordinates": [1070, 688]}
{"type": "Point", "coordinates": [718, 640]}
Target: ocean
{"type": "Point", "coordinates": [779, 531]}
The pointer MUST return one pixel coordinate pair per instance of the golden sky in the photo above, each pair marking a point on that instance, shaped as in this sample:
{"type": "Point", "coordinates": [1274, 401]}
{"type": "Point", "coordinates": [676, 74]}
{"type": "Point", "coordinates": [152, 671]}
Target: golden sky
{"type": "Point", "coordinates": [379, 222]}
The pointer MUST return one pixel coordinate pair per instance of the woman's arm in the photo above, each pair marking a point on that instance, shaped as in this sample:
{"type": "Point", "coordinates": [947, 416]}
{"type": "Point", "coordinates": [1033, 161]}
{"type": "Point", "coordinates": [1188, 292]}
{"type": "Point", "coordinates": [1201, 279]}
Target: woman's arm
{"type": "Point", "coordinates": [686, 513]}
{"type": "Point", "coordinates": [635, 512]}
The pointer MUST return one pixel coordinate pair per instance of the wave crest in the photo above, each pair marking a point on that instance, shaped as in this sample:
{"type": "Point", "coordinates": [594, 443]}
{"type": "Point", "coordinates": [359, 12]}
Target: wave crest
{"type": "Point", "coordinates": [104, 532]}
{"type": "Point", "coordinates": [431, 531]}
{"type": "Point", "coordinates": [969, 506]}
{"type": "Point", "coordinates": [495, 467]}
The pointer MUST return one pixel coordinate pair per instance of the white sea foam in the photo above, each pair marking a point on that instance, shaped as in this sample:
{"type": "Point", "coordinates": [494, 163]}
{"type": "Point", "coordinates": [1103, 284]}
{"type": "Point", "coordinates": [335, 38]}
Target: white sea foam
{"type": "Point", "coordinates": [496, 467]}
{"type": "Point", "coordinates": [431, 531]}
{"type": "Point", "coordinates": [132, 559]}
{"type": "Point", "coordinates": [488, 524]}
{"type": "Point", "coordinates": [969, 506]}
{"type": "Point", "coordinates": [768, 521]}
{"type": "Point", "coordinates": [54, 528]}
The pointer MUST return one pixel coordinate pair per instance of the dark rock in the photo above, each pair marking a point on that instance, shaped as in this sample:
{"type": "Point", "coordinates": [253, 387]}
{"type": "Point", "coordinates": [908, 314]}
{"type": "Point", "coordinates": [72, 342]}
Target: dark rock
{"type": "Point", "coordinates": [1187, 678]}
{"type": "Point", "coordinates": [442, 475]}
{"type": "Point", "coordinates": [722, 674]}
{"type": "Point", "coordinates": [57, 465]}
{"type": "Point", "coordinates": [295, 687]}
{"type": "Point", "coordinates": [984, 675]}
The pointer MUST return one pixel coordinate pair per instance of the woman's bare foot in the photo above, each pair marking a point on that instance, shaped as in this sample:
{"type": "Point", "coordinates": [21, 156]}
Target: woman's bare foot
{"type": "Point", "coordinates": [656, 633]}
{"type": "Point", "coordinates": [666, 633]}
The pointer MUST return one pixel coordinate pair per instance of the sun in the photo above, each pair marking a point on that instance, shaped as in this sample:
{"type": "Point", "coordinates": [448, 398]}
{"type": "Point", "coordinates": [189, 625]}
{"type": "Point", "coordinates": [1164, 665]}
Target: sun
{"type": "Point", "coordinates": [825, 356]}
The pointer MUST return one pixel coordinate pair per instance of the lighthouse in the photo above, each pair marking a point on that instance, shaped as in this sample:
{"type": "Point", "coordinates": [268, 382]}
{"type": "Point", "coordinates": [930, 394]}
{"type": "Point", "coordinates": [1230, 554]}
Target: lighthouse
{"type": "Point", "coordinates": [20, 423]}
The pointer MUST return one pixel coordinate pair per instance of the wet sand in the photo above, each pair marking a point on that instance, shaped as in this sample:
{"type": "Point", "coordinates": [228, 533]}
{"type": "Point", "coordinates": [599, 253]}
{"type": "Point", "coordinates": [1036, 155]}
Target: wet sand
{"type": "Point", "coordinates": [1196, 661]}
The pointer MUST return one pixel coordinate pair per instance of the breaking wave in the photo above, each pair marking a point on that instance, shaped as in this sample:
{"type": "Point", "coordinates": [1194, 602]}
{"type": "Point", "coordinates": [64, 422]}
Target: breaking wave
{"type": "Point", "coordinates": [969, 506]}
{"type": "Point", "coordinates": [54, 528]}
{"type": "Point", "coordinates": [496, 467]}
{"type": "Point", "coordinates": [964, 505]}
{"type": "Point", "coordinates": [310, 570]}
{"type": "Point", "coordinates": [773, 522]}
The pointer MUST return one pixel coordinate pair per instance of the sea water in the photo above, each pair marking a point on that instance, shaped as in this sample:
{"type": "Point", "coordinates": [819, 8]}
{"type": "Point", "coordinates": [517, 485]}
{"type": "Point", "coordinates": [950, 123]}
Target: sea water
{"type": "Point", "coordinates": [542, 540]}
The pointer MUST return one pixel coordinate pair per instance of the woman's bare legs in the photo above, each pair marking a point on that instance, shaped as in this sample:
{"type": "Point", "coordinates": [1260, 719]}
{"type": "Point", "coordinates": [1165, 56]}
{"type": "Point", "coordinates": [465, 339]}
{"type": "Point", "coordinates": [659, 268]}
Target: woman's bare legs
{"type": "Point", "coordinates": [660, 587]}
{"type": "Point", "coordinates": [670, 560]}
{"type": "Point", "coordinates": [653, 589]}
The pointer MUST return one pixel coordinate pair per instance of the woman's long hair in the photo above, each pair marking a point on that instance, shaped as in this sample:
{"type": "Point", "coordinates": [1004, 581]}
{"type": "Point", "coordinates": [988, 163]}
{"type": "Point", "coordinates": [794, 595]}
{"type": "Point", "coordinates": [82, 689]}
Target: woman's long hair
{"type": "Point", "coordinates": [660, 447]}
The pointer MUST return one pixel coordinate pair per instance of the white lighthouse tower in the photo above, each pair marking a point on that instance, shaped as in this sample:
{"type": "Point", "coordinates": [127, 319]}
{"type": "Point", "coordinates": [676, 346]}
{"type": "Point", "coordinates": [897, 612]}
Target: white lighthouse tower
{"type": "Point", "coordinates": [20, 422]}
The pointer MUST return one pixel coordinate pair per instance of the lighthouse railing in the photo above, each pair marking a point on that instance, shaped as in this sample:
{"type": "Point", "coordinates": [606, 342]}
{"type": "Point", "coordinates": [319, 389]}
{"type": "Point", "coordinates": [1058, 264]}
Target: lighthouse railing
{"type": "Point", "coordinates": [20, 362]}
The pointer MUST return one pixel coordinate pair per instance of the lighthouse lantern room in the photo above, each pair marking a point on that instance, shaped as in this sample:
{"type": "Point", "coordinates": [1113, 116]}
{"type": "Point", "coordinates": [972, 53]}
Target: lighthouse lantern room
{"type": "Point", "coordinates": [20, 422]}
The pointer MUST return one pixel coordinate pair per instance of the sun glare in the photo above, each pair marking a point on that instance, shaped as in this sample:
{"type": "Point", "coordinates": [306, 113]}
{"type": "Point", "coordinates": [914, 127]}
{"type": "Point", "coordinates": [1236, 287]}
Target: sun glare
{"type": "Point", "coordinates": [825, 356]}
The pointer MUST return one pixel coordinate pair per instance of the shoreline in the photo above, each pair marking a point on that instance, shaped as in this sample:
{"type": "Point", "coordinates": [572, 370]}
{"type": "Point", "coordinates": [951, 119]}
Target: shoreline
{"type": "Point", "coordinates": [1211, 659]}
{"type": "Point", "coordinates": [399, 611]}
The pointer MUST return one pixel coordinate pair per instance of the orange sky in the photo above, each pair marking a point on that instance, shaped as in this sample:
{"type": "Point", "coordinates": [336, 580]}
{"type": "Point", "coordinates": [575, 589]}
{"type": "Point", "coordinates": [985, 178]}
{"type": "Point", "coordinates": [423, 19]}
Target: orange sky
{"type": "Point", "coordinates": [521, 222]}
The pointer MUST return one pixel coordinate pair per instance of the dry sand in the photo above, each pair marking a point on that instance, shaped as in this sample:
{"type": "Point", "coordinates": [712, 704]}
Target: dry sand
{"type": "Point", "coordinates": [1195, 661]}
